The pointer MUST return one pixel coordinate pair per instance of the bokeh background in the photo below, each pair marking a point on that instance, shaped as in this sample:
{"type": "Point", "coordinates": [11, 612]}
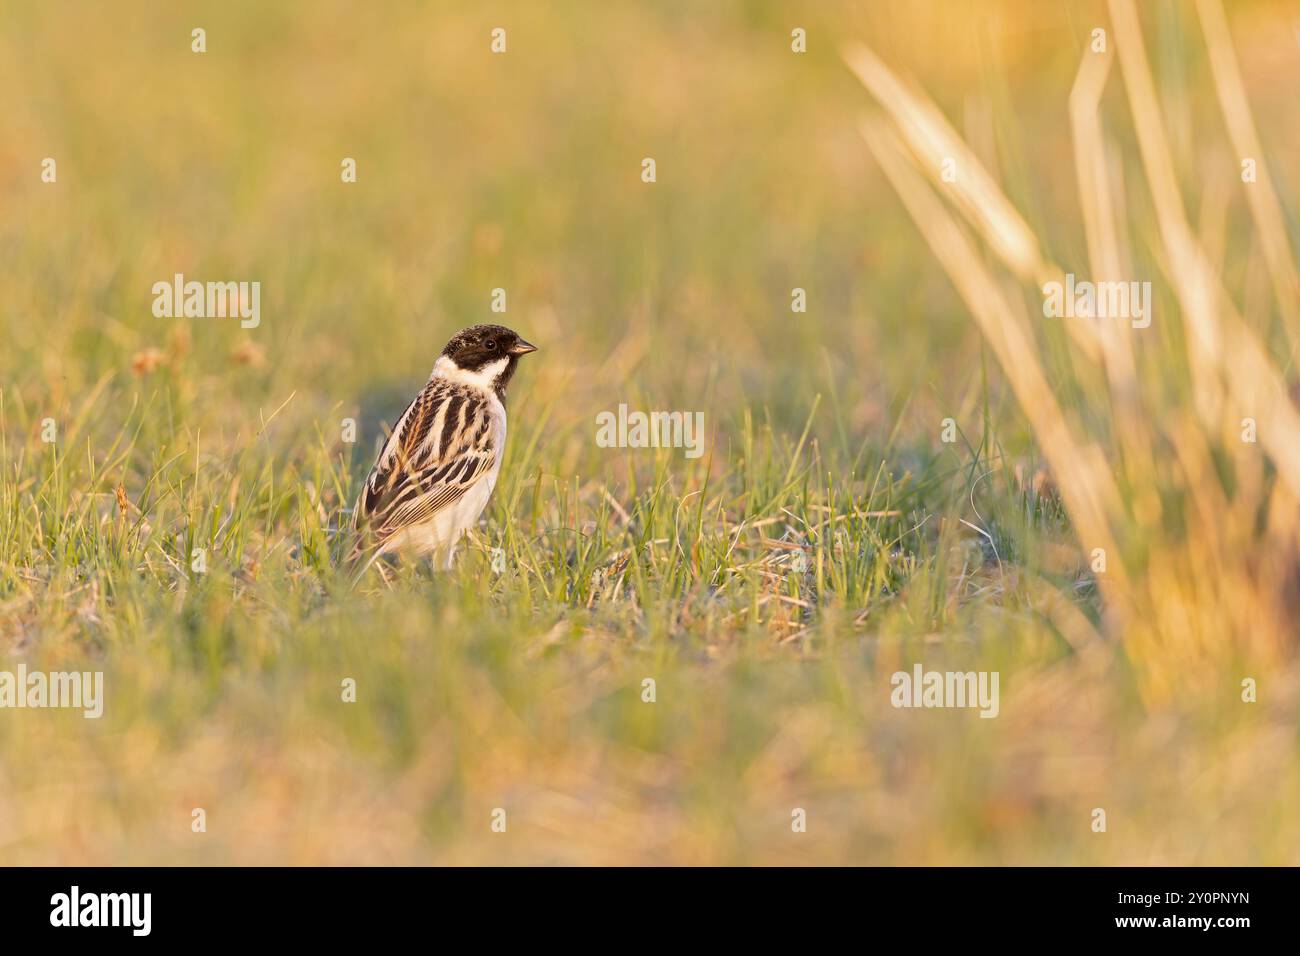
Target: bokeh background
{"type": "Point", "coordinates": [828, 537]}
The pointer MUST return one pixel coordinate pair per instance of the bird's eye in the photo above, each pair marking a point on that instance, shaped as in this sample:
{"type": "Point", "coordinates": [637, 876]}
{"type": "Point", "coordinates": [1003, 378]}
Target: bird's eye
{"type": "Point", "coordinates": [490, 344]}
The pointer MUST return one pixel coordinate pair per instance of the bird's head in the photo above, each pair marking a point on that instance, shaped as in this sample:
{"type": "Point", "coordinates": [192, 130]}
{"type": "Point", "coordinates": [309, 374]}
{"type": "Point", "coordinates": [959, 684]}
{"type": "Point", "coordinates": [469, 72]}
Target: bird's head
{"type": "Point", "coordinates": [489, 353]}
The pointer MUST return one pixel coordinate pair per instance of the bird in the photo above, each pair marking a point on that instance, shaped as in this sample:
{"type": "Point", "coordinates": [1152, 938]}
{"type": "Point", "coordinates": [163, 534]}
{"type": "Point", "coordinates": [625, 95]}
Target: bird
{"type": "Point", "coordinates": [435, 473]}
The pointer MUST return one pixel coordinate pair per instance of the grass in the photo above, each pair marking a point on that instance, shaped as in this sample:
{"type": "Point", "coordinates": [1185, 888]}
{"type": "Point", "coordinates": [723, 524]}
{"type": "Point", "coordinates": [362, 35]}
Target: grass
{"type": "Point", "coordinates": [829, 536]}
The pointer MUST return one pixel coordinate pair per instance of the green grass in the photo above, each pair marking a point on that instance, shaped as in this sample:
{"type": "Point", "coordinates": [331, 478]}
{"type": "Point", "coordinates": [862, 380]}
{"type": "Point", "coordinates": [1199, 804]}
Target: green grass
{"type": "Point", "coordinates": [522, 688]}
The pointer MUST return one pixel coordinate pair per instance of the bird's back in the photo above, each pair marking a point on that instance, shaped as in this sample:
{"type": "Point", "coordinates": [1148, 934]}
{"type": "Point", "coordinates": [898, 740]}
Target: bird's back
{"type": "Point", "coordinates": [436, 472]}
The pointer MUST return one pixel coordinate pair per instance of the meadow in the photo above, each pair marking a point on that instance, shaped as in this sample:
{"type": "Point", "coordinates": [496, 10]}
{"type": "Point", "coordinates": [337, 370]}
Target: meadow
{"type": "Point", "coordinates": [919, 468]}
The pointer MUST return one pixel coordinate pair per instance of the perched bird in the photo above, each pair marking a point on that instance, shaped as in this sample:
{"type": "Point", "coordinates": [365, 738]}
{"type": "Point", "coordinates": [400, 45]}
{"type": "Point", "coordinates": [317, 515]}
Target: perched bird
{"type": "Point", "coordinates": [438, 468]}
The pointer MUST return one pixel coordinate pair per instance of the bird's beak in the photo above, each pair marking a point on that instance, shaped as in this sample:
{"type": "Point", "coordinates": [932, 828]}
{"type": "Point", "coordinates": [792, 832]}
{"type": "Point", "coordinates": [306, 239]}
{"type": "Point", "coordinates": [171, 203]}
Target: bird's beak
{"type": "Point", "coordinates": [522, 348]}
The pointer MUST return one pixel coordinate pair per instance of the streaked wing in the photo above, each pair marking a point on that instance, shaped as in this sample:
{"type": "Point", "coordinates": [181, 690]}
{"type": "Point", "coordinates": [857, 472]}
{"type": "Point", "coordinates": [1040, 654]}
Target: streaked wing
{"type": "Point", "coordinates": [438, 449]}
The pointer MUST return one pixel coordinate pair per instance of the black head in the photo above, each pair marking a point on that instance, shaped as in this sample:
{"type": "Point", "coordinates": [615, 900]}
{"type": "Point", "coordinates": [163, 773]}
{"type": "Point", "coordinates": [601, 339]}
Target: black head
{"type": "Point", "coordinates": [480, 346]}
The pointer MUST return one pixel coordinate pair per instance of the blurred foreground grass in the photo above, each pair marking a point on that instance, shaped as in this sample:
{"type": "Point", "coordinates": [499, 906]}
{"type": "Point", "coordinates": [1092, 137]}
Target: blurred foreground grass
{"type": "Point", "coordinates": [827, 538]}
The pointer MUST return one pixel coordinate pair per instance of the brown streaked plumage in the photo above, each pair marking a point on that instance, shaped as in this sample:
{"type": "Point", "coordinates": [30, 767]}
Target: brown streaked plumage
{"type": "Point", "coordinates": [437, 470]}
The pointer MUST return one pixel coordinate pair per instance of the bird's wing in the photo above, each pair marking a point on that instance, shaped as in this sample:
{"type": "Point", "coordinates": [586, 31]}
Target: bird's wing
{"type": "Point", "coordinates": [439, 448]}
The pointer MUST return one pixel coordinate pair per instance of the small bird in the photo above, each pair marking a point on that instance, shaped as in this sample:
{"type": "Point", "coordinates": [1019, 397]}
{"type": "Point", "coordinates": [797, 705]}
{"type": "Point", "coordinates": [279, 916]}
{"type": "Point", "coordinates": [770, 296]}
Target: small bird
{"type": "Point", "coordinates": [437, 470]}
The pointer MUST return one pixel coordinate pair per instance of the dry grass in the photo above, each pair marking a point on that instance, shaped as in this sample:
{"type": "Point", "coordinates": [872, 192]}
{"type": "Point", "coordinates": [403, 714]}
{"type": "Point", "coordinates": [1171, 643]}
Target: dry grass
{"type": "Point", "coordinates": [1196, 591]}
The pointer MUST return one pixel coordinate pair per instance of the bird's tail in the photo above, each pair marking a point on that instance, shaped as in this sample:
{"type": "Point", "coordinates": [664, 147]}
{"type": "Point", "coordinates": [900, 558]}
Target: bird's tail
{"type": "Point", "coordinates": [361, 555]}
{"type": "Point", "coordinates": [362, 550]}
